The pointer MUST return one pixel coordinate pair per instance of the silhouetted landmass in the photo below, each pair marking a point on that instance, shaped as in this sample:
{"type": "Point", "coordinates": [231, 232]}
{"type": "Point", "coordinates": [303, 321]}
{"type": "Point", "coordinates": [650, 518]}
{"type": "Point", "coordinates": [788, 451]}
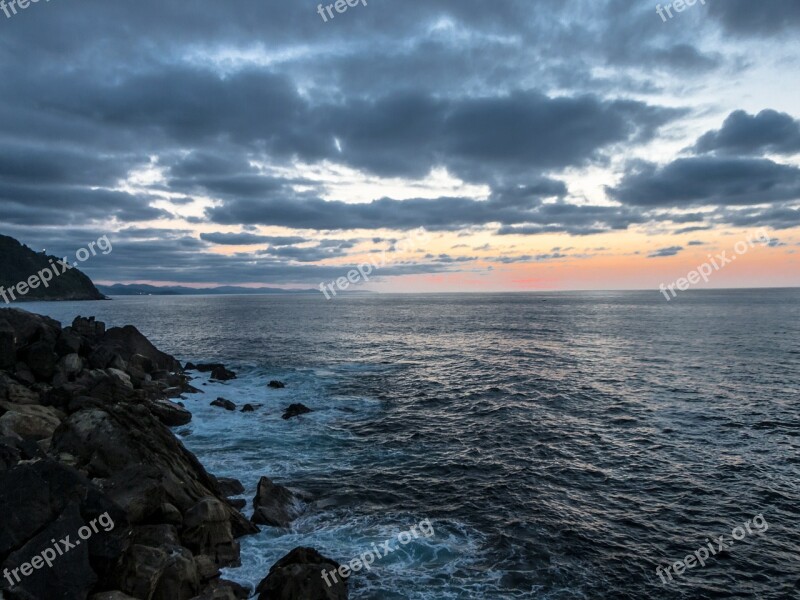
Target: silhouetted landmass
{"type": "Point", "coordinates": [18, 263]}
{"type": "Point", "coordinates": [134, 289]}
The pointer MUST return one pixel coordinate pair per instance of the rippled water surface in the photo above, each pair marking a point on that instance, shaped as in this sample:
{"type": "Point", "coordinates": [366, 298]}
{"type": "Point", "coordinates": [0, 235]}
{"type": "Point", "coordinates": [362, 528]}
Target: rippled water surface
{"type": "Point", "coordinates": [562, 445]}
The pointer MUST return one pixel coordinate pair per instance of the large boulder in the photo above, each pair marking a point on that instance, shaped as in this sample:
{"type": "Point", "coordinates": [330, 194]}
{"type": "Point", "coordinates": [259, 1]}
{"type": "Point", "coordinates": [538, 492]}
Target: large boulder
{"type": "Point", "coordinates": [275, 505]}
{"type": "Point", "coordinates": [170, 414]}
{"type": "Point", "coordinates": [29, 421]}
{"type": "Point", "coordinates": [29, 328]}
{"type": "Point", "coordinates": [128, 341]}
{"type": "Point", "coordinates": [68, 577]}
{"type": "Point", "coordinates": [158, 573]}
{"type": "Point", "coordinates": [207, 530]}
{"type": "Point", "coordinates": [46, 500]}
{"type": "Point", "coordinates": [110, 440]}
{"type": "Point", "coordinates": [298, 576]}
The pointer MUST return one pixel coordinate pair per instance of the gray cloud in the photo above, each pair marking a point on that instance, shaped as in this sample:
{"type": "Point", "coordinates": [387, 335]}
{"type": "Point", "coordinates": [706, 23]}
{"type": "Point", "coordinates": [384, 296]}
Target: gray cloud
{"type": "Point", "coordinates": [744, 135]}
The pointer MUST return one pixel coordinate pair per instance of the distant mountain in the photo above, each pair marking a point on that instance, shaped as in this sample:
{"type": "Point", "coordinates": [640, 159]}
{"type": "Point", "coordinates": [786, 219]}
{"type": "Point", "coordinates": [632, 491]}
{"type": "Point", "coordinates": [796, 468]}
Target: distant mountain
{"type": "Point", "coordinates": [18, 264]}
{"type": "Point", "coordinates": [134, 289]}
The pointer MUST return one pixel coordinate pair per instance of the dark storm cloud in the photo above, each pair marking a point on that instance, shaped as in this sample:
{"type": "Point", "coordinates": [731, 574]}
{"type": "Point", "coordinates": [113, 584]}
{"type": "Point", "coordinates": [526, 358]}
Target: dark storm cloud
{"type": "Point", "coordinates": [250, 239]}
{"type": "Point", "coordinates": [706, 181]}
{"type": "Point", "coordinates": [440, 214]}
{"type": "Point", "coordinates": [767, 132]}
{"type": "Point", "coordinates": [764, 17]}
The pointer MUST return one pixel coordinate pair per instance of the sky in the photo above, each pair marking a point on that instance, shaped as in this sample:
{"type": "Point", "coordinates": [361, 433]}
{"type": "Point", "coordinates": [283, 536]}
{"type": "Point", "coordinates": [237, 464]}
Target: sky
{"type": "Point", "coordinates": [459, 145]}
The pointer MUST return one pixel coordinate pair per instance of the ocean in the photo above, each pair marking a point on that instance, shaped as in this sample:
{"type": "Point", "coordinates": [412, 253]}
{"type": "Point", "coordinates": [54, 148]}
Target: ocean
{"type": "Point", "coordinates": [562, 445]}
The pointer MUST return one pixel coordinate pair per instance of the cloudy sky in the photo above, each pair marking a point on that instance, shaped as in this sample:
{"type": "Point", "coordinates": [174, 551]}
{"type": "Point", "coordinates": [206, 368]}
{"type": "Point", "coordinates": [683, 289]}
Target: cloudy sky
{"type": "Point", "coordinates": [554, 144]}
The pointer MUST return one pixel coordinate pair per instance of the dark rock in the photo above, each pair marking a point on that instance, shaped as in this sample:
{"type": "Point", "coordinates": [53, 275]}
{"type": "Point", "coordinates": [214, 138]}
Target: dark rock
{"type": "Point", "coordinates": [23, 374]}
{"type": "Point", "coordinates": [276, 384]}
{"type": "Point", "coordinates": [41, 360]}
{"type": "Point", "coordinates": [8, 345]}
{"type": "Point", "coordinates": [229, 486]}
{"type": "Point", "coordinates": [101, 357]}
{"type": "Point", "coordinates": [221, 589]}
{"type": "Point", "coordinates": [248, 408]}
{"type": "Point", "coordinates": [237, 503]}
{"type": "Point", "coordinates": [275, 505]}
{"type": "Point", "coordinates": [170, 414]}
{"type": "Point", "coordinates": [70, 578]}
{"type": "Point", "coordinates": [205, 367]}
{"type": "Point", "coordinates": [69, 342]}
{"type": "Point", "coordinates": [295, 410]}
{"type": "Point", "coordinates": [222, 374]}
{"type": "Point", "coordinates": [88, 327]}
{"type": "Point", "coordinates": [37, 494]}
{"type": "Point", "coordinates": [156, 536]}
{"type": "Point", "coordinates": [142, 363]}
{"type": "Point", "coordinates": [207, 530]}
{"type": "Point", "coordinates": [298, 576]}
{"type": "Point", "coordinates": [123, 436]}
{"type": "Point", "coordinates": [29, 328]}
{"type": "Point", "coordinates": [29, 421]}
{"type": "Point", "coordinates": [222, 403]}
{"type": "Point", "coordinates": [128, 341]}
{"type": "Point", "coordinates": [163, 573]}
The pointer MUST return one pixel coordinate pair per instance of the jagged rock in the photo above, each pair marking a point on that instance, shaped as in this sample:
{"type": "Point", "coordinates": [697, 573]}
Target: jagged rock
{"type": "Point", "coordinates": [207, 530]}
{"type": "Point", "coordinates": [127, 341]}
{"type": "Point", "coordinates": [223, 403]}
{"type": "Point", "coordinates": [164, 573]}
{"type": "Point", "coordinates": [108, 441]}
{"type": "Point", "coordinates": [248, 408]}
{"type": "Point", "coordinates": [229, 486]}
{"type": "Point", "coordinates": [14, 449]}
{"type": "Point", "coordinates": [298, 576]}
{"type": "Point", "coordinates": [295, 410]}
{"type": "Point", "coordinates": [88, 327]}
{"type": "Point", "coordinates": [220, 373]}
{"type": "Point", "coordinates": [29, 421]}
{"type": "Point", "coordinates": [170, 414]}
{"type": "Point", "coordinates": [115, 595]}
{"type": "Point", "coordinates": [275, 505]}
{"type": "Point", "coordinates": [276, 384]}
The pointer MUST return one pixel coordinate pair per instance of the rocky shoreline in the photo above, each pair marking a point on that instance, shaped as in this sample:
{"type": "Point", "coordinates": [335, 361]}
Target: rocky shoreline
{"type": "Point", "coordinates": [84, 436]}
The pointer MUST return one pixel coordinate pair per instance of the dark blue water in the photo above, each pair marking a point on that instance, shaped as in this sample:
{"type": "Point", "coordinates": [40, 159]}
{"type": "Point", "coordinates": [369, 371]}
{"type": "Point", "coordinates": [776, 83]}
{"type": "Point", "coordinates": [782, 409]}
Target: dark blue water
{"type": "Point", "coordinates": [562, 445]}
